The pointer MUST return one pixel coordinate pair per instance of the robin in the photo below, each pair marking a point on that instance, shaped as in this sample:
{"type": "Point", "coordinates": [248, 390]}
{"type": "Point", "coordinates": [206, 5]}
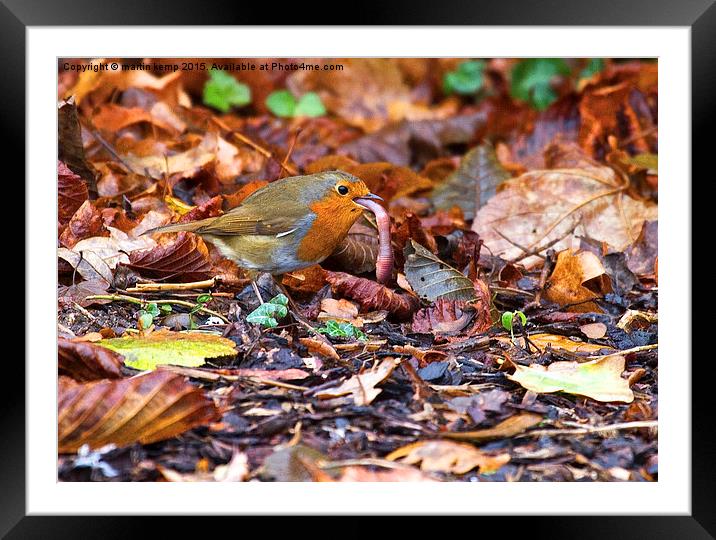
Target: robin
{"type": "Point", "coordinates": [293, 223]}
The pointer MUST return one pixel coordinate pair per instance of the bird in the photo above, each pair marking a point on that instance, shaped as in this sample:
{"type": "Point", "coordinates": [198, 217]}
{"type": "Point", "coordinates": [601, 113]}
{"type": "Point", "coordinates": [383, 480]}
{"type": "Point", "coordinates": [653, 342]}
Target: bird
{"type": "Point", "coordinates": [289, 224]}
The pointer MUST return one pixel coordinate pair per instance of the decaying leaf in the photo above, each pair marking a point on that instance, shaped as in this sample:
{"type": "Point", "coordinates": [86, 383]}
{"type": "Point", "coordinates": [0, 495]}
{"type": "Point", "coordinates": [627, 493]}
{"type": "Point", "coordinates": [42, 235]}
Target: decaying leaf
{"type": "Point", "coordinates": [166, 347]}
{"type": "Point", "coordinates": [292, 464]}
{"type": "Point", "coordinates": [87, 362]}
{"type": "Point", "coordinates": [449, 457]}
{"type": "Point", "coordinates": [70, 148]}
{"type": "Point", "coordinates": [545, 205]}
{"type": "Point", "coordinates": [373, 296]}
{"type": "Point", "coordinates": [432, 279]}
{"type": "Point", "coordinates": [577, 278]}
{"type": "Point", "coordinates": [185, 259]}
{"type": "Point", "coordinates": [473, 183]}
{"type": "Point", "coordinates": [599, 379]}
{"type": "Point", "coordinates": [543, 340]}
{"type": "Point", "coordinates": [404, 474]}
{"type": "Point", "coordinates": [159, 166]}
{"type": "Point", "coordinates": [71, 192]}
{"type": "Point", "coordinates": [358, 251]}
{"type": "Point", "coordinates": [510, 427]}
{"type": "Point", "coordinates": [320, 347]}
{"type": "Point", "coordinates": [362, 386]}
{"type": "Point", "coordinates": [147, 408]}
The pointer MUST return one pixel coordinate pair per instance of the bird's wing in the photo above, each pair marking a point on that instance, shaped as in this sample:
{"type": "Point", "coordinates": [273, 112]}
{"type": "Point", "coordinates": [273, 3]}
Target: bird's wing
{"type": "Point", "coordinates": [238, 221]}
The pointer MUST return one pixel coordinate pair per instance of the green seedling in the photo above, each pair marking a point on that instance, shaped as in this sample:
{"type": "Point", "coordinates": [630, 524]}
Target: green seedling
{"type": "Point", "coordinates": [532, 80]}
{"type": "Point", "coordinates": [508, 318]}
{"type": "Point", "coordinates": [283, 104]}
{"type": "Point", "coordinates": [467, 79]}
{"type": "Point", "coordinates": [342, 330]}
{"type": "Point", "coordinates": [201, 302]}
{"type": "Point", "coordinates": [146, 316]}
{"type": "Point", "coordinates": [267, 314]}
{"type": "Point", "coordinates": [222, 91]}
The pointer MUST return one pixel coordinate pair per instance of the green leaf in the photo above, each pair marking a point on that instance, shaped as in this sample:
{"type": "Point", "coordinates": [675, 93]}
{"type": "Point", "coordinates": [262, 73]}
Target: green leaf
{"type": "Point", "coordinates": [145, 319]}
{"type": "Point", "coordinates": [267, 314]}
{"type": "Point", "coordinates": [222, 91]}
{"type": "Point", "coordinates": [594, 66]}
{"type": "Point", "coordinates": [507, 318]}
{"type": "Point", "coordinates": [599, 379]}
{"type": "Point", "coordinates": [310, 105]}
{"type": "Point", "coordinates": [166, 308]}
{"type": "Point", "coordinates": [466, 79]}
{"type": "Point", "coordinates": [281, 103]}
{"type": "Point", "coordinates": [165, 347]}
{"type": "Point", "coordinates": [152, 309]}
{"type": "Point", "coordinates": [532, 77]}
{"type": "Point", "coordinates": [203, 299]}
{"type": "Point", "coordinates": [342, 330]}
{"type": "Point", "coordinates": [522, 316]}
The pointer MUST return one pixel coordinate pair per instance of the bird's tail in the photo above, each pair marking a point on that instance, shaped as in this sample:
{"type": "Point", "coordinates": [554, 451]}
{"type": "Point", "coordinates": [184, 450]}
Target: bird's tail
{"type": "Point", "coordinates": [191, 226]}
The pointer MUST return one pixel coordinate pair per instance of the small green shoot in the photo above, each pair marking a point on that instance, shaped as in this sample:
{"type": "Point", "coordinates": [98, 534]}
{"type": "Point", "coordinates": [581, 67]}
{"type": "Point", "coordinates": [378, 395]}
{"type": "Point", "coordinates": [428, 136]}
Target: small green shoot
{"type": "Point", "coordinates": [342, 330]}
{"type": "Point", "coordinates": [267, 314]}
{"type": "Point", "coordinates": [508, 318]}
{"type": "Point", "coordinates": [532, 80]}
{"type": "Point", "coordinates": [594, 66]}
{"type": "Point", "coordinates": [146, 315]}
{"type": "Point", "coordinates": [283, 104]}
{"type": "Point", "coordinates": [467, 79]}
{"type": "Point", "coordinates": [222, 91]}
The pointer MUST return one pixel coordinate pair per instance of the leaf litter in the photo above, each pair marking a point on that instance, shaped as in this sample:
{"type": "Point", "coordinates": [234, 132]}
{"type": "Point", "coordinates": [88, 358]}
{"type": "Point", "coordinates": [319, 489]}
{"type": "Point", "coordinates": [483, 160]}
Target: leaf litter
{"type": "Point", "coordinates": [512, 186]}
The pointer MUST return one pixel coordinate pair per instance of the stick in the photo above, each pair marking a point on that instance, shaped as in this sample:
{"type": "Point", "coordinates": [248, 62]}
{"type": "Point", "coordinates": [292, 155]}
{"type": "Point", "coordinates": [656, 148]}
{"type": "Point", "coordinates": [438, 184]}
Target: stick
{"type": "Point", "coordinates": [592, 429]}
{"type": "Point", "coordinates": [132, 300]}
{"type": "Point", "coordinates": [157, 287]}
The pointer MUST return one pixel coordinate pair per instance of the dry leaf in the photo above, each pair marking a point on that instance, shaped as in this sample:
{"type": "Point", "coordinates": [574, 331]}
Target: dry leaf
{"type": "Point", "coordinates": [145, 409]}
{"type": "Point", "coordinates": [373, 296]}
{"type": "Point", "coordinates": [599, 379]}
{"type": "Point", "coordinates": [184, 260]}
{"type": "Point", "coordinates": [595, 330]}
{"type": "Point", "coordinates": [448, 457]}
{"type": "Point", "coordinates": [362, 386]}
{"type": "Point", "coordinates": [432, 279]}
{"type": "Point", "coordinates": [545, 205]}
{"type": "Point", "coordinates": [87, 362]}
{"type": "Point", "coordinates": [514, 425]}
{"type": "Point", "coordinates": [71, 193]}
{"type": "Point", "coordinates": [364, 474]}
{"type": "Point", "coordinates": [578, 277]}
{"type": "Point", "coordinates": [556, 341]}
{"type": "Point", "coordinates": [318, 346]}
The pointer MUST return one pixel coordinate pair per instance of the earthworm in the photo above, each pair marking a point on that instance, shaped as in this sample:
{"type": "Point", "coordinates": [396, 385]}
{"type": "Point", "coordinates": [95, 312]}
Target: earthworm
{"type": "Point", "coordinates": [384, 262]}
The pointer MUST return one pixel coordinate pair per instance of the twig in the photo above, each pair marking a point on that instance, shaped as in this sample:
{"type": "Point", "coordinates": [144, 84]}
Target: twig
{"type": "Point", "coordinates": [132, 300]}
{"type": "Point", "coordinates": [156, 287]}
{"type": "Point", "coordinates": [625, 351]}
{"type": "Point", "coordinates": [591, 429]}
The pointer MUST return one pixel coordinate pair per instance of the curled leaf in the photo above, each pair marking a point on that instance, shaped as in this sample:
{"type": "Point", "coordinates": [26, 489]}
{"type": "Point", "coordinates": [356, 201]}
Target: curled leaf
{"type": "Point", "coordinates": [145, 409]}
{"type": "Point", "coordinates": [577, 278]}
{"type": "Point", "coordinates": [185, 259]}
{"type": "Point", "coordinates": [373, 296]}
{"type": "Point", "coordinates": [85, 361]}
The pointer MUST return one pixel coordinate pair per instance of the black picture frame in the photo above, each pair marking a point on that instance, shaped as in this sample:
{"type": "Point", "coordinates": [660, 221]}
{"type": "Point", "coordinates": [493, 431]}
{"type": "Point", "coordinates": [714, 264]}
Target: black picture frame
{"type": "Point", "coordinates": [16, 15]}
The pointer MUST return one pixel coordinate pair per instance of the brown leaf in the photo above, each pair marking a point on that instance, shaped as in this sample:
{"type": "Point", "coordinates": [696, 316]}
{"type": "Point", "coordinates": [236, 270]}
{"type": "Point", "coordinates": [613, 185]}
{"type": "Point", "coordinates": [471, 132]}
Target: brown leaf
{"type": "Point", "coordinates": [364, 474]}
{"type": "Point", "coordinates": [86, 222]}
{"type": "Point", "coordinates": [71, 193]}
{"type": "Point", "coordinates": [146, 408]}
{"type": "Point", "coordinates": [358, 251]}
{"type": "Point", "coordinates": [543, 206]}
{"type": "Point", "coordinates": [362, 386]}
{"type": "Point", "coordinates": [308, 280]}
{"type": "Point", "coordinates": [433, 279]}
{"type": "Point", "coordinates": [70, 148]}
{"type": "Point", "coordinates": [87, 362]}
{"type": "Point", "coordinates": [187, 163]}
{"type": "Point", "coordinates": [514, 425]}
{"type": "Point", "coordinates": [577, 278]}
{"type": "Point", "coordinates": [321, 347]}
{"type": "Point", "coordinates": [473, 183]}
{"type": "Point", "coordinates": [444, 316]}
{"type": "Point", "coordinates": [186, 259]}
{"type": "Point", "coordinates": [80, 291]}
{"type": "Point", "coordinates": [641, 255]}
{"type": "Point", "coordinates": [372, 296]}
{"type": "Point", "coordinates": [448, 457]}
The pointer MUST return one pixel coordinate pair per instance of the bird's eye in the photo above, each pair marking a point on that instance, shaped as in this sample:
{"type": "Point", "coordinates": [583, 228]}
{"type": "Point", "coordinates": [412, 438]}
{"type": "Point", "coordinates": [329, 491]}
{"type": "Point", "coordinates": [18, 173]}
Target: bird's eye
{"type": "Point", "coordinates": [343, 190]}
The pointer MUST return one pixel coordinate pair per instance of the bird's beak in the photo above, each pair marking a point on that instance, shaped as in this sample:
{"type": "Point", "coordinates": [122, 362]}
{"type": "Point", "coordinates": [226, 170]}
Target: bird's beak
{"type": "Point", "coordinates": [366, 201]}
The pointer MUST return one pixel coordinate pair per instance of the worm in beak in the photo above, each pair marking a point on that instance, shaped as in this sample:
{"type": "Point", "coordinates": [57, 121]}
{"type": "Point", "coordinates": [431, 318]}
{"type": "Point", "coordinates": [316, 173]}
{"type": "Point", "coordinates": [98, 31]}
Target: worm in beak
{"type": "Point", "coordinates": [384, 262]}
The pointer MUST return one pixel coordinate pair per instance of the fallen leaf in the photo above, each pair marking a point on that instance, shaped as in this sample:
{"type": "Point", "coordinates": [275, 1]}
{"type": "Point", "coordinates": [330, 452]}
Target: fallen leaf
{"type": "Point", "coordinates": [357, 252]}
{"type": "Point", "coordinates": [186, 163]}
{"type": "Point", "coordinates": [362, 386]}
{"type": "Point", "coordinates": [542, 206]}
{"type": "Point", "coordinates": [87, 362]}
{"type": "Point", "coordinates": [71, 192]}
{"type": "Point", "coordinates": [556, 341]}
{"type": "Point", "coordinates": [364, 474]}
{"type": "Point", "coordinates": [641, 255]}
{"type": "Point", "coordinates": [216, 374]}
{"type": "Point", "coordinates": [448, 457]}
{"type": "Point", "coordinates": [166, 347]}
{"type": "Point", "coordinates": [184, 260]}
{"type": "Point", "coordinates": [70, 147]}
{"type": "Point", "coordinates": [577, 278]}
{"type": "Point", "coordinates": [342, 310]}
{"type": "Point", "coordinates": [86, 222]}
{"type": "Point", "coordinates": [145, 409]}
{"type": "Point", "coordinates": [594, 330]}
{"type": "Point", "coordinates": [432, 279]}
{"type": "Point", "coordinates": [510, 427]}
{"type": "Point", "coordinates": [443, 317]}
{"type": "Point", "coordinates": [373, 296]}
{"type": "Point", "coordinates": [599, 379]}
{"type": "Point", "coordinates": [320, 347]}
{"type": "Point", "coordinates": [293, 464]}
{"type": "Point", "coordinates": [80, 291]}
{"type": "Point", "coordinates": [473, 183]}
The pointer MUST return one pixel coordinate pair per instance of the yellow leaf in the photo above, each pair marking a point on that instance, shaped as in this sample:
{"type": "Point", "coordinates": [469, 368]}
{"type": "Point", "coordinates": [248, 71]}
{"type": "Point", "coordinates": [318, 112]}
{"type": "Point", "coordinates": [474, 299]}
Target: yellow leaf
{"type": "Point", "coordinates": [599, 379]}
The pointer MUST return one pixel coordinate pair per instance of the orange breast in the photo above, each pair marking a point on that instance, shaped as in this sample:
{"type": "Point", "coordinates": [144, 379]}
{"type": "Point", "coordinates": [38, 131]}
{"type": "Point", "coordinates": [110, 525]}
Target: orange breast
{"type": "Point", "coordinates": [333, 220]}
